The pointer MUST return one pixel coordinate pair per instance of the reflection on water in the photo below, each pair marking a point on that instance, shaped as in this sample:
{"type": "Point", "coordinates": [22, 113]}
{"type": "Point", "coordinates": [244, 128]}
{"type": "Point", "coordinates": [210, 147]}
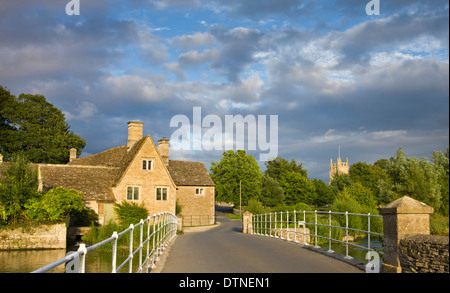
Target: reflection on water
{"type": "Point", "coordinates": [26, 261]}
{"type": "Point", "coordinates": [357, 252]}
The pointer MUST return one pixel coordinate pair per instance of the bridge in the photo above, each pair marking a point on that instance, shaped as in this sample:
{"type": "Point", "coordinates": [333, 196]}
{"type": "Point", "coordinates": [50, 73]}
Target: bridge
{"type": "Point", "coordinates": [282, 242]}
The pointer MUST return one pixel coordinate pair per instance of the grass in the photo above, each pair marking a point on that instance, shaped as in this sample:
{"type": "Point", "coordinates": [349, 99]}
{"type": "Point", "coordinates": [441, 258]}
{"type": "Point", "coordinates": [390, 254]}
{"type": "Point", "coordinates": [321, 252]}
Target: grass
{"type": "Point", "coordinates": [234, 217]}
{"type": "Point", "coordinates": [439, 225]}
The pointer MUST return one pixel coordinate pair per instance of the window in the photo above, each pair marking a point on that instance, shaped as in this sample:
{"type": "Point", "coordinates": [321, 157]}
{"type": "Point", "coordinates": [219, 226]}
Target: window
{"type": "Point", "coordinates": [161, 193]}
{"type": "Point", "coordinates": [147, 165]}
{"type": "Point", "coordinates": [199, 191]}
{"type": "Point", "coordinates": [133, 193]}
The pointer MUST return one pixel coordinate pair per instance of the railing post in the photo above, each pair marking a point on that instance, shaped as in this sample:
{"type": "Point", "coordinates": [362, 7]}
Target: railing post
{"type": "Point", "coordinates": [315, 228]}
{"type": "Point", "coordinates": [82, 250]}
{"type": "Point", "coordinates": [130, 268]}
{"type": "Point", "coordinates": [329, 233]}
{"type": "Point", "coordinates": [265, 224]}
{"type": "Point", "coordinates": [346, 237]}
{"type": "Point", "coordinates": [281, 225]}
{"type": "Point", "coordinates": [287, 225]}
{"type": "Point", "coordinates": [154, 242]}
{"type": "Point", "coordinates": [147, 258]}
{"type": "Point", "coordinates": [368, 231]}
{"type": "Point", "coordinates": [141, 235]}
{"type": "Point", "coordinates": [295, 227]}
{"type": "Point", "coordinates": [275, 228]}
{"type": "Point", "coordinates": [114, 251]}
{"type": "Point", "coordinates": [304, 228]}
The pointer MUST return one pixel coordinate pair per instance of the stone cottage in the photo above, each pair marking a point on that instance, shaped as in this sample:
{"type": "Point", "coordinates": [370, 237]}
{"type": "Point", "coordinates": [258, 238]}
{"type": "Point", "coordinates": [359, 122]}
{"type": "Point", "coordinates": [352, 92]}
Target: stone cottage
{"type": "Point", "coordinates": [138, 172]}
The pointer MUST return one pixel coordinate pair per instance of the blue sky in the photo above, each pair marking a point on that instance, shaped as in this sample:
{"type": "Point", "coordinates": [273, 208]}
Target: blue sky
{"type": "Point", "coordinates": [334, 75]}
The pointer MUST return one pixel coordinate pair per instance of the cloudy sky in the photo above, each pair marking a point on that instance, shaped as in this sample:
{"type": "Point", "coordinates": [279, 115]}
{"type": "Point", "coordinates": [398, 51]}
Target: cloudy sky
{"type": "Point", "coordinates": [334, 75]}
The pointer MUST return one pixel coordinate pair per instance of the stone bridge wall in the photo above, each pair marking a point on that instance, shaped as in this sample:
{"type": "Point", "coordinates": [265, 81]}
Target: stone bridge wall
{"type": "Point", "coordinates": [424, 254]}
{"type": "Point", "coordinates": [40, 237]}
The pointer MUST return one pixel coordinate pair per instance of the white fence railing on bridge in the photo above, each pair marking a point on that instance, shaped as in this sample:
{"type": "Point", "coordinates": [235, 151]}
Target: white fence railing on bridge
{"type": "Point", "coordinates": [293, 225]}
{"type": "Point", "coordinates": [160, 229]}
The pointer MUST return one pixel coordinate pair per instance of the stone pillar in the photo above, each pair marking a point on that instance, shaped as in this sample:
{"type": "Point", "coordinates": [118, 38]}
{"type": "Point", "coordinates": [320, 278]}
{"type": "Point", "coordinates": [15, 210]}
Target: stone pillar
{"type": "Point", "coordinates": [180, 223]}
{"type": "Point", "coordinates": [247, 227]}
{"type": "Point", "coordinates": [403, 217]}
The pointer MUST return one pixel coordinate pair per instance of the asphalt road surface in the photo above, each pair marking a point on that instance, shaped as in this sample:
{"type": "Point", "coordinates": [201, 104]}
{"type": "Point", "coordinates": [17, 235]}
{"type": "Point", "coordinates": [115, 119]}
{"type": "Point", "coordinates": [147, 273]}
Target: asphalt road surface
{"type": "Point", "coordinates": [225, 249]}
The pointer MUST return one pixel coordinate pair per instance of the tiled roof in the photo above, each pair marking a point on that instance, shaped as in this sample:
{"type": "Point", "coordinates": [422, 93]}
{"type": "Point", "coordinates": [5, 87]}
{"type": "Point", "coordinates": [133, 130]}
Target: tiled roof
{"type": "Point", "coordinates": [187, 173]}
{"type": "Point", "coordinates": [93, 182]}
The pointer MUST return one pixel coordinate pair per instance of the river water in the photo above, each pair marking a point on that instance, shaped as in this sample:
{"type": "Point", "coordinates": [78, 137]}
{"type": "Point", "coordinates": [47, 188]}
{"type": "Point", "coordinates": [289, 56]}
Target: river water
{"type": "Point", "coordinates": [26, 261]}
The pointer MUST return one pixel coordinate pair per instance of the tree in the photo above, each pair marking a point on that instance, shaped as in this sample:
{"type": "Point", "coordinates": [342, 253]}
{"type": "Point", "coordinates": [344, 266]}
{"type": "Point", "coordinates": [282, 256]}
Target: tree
{"type": "Point", "coordinates": [271, 193]}
{"type": "Point", "coordinates": [35, 128]}
{"type": "Point", "coordinates": [339, 182]}
{"type": "Point", "coordinates": [441, 163]}
{"type": "Point", "coordinates": [297, 188]}
{"type": "Point", "coordinates": [323, 195]}
{"type": "Point", "coordinates": [368, 175]}
{"type": "Point", "coordinates": [18, 185]}
{"type": "Point", "coordinates": [416, 178]}
{"type": "Point", "coordinates": [278, 168]}
{"type": "Point", "coordinates": [233, 168]}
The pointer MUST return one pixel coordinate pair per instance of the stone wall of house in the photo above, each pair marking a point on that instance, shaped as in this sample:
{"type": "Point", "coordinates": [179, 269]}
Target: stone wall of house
{"type": "Point", "coordinates": [148, 181]}
{"type": "Point", "coordinates": [40, 237]}
{"type": "Point", "coordinates": [424, 254]}
{"type": "Point", "coordinates": [198, 209]}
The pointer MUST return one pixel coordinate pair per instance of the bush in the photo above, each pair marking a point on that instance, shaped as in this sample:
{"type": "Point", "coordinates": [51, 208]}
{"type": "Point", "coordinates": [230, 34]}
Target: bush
{"type": "Point", "coordinates": [55, 206]}
{"type": "Point", "coordinates": [255, 206]}
{"type": "Point", "coordinates": [130, 213]}
{"type": "Point", "coordinates": [19, 185]}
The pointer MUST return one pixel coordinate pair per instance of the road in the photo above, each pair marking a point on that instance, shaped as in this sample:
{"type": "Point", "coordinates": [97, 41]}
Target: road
{"type": "Point", "coordinates": [225, 249]}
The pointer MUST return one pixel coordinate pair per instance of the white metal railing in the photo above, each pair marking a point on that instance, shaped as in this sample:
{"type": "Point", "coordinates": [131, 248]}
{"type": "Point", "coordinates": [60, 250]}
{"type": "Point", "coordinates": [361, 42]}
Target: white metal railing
{"type": "Point", "coordinates": [160, 229]}
{"type": "Point", "coordinates": [274, 224]}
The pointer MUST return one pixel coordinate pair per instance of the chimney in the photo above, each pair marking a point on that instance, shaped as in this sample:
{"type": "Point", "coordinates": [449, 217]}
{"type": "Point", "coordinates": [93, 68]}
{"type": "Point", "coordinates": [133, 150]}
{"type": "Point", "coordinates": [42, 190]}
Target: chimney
{"type": "Point", "coordinates": [163, 148]}
{"type": "Point", "coordinates": [135, 133]}
{"type": "Point", "coordinates": [73, 154]}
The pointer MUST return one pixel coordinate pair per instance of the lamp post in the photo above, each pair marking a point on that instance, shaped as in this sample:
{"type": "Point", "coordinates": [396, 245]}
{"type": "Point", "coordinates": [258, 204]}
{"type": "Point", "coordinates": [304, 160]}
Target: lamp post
{"type": "Point", "coordinates": [240, 199]}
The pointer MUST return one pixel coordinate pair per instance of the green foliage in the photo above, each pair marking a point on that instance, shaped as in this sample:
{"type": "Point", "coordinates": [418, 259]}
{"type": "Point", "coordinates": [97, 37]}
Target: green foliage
{"type": "Point", "coordinates": [32, 127]}
{"type": "Point", "coordinates": [323, 195]}
{"type": "Point", "coordinates": [55, 206]}
{"type": "Point", "coordinates": [368, 175]}
{"type": "Point", "coordinates": [130, 213]}
{"type": "Point", "coordinates": [232, 168]}
{"type": "Point", "coordinates": [278, 167]}
{"type": "Point", "coordinates": [297, 188]}
{"type": "Point", "coordinates": [271, 192]}
{"type": "Point", "coordinates": [178, 208]}
{"type": "Point", "coordinates": [416, 178]}
{"type": "Point", "coordinates": [439, 225]}
{"type": "Point", "coordinates": [255, 206]}
{"type": "Point", "coordinates": [441, 163]}
{"type": "Point", "coordinates": [19, 185]}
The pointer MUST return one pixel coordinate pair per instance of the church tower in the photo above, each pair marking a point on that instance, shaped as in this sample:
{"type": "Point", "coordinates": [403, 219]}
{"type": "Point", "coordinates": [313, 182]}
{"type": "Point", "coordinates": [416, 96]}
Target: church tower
{"type": "Point", "coordinates": [339, 167]}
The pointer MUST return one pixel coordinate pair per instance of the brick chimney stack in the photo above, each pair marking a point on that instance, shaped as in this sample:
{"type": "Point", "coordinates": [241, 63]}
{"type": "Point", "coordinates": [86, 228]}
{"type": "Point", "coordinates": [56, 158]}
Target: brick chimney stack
{"type": "Point", "coordinates": [73, 154]}
{"type": "Point", "coordinates": [163, 148]}
{"type": "Point", "coordinates": [135, 133]}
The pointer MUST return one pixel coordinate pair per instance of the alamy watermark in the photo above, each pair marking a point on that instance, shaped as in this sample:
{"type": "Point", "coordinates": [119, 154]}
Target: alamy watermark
{"type": "Point", "coordinates": [373, 7]}
{"type": "Point", "coordinates": [209, 133]}
{"type": "Point", "coordinates": [73, 7]}
{"type": "Point", "coordinates": [373, 264]}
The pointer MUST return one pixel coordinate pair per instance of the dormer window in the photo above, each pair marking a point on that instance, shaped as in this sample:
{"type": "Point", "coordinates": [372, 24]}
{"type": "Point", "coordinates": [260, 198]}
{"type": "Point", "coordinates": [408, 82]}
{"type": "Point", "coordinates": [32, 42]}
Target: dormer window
{"type": "Point", "coordinates": [147, 165]}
